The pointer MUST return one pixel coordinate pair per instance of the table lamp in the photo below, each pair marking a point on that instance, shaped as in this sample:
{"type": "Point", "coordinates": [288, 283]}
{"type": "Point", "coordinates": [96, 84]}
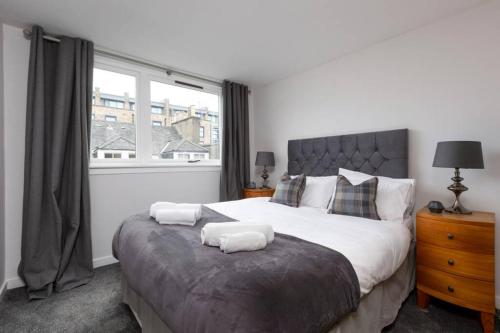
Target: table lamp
{"type": "Point", "coordinates": [458, 154]}
{"type": "Point", "coordinates": [265, 159]}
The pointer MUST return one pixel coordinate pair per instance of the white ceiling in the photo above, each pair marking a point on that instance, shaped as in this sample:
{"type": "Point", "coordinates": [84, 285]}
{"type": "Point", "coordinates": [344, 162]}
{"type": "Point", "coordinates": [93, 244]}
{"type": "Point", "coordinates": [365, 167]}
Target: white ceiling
{"type": "Point", "coordinates": [252, 41]}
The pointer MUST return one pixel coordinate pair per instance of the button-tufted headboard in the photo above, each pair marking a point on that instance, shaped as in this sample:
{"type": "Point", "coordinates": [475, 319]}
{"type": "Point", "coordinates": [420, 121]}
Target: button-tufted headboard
{"type": "Point", "coordinates": [377, 153]}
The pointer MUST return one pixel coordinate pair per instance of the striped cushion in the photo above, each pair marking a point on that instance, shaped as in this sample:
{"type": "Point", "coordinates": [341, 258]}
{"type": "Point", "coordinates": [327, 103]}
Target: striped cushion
{"type": "Point", "coordinates": [356, 200]}
{"type": "Point", "coordinates": [289, 191]}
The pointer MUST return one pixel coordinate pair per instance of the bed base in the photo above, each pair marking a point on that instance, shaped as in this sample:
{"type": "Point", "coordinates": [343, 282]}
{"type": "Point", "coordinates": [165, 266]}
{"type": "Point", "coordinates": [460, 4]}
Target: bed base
{"type": "Point", "coordinates": [376, 310]}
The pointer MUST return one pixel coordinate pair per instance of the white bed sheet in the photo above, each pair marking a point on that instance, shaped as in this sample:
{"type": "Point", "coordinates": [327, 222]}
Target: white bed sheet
{"type": "Point", "coordinates": [376, 249]}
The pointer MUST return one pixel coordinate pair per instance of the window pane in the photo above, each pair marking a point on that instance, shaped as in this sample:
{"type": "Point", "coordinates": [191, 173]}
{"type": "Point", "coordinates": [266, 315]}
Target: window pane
{"type": "Point", "coordinates": [113, 115]}
{"type": "Point", "coordinates": [185, 123]}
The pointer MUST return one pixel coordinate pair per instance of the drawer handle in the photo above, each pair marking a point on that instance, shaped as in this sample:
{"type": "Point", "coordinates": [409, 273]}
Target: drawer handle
{"type": "Point", "coordinates": [451, 262]}
{"type": "Point", "coordinates": [451, 236]}
{"type": "Point", "coordinates": [451, 289]}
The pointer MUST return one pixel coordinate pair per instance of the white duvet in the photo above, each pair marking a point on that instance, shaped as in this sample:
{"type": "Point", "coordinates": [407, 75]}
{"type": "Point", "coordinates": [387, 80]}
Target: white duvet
{"type": "Point", "coordinates": [375, 249]}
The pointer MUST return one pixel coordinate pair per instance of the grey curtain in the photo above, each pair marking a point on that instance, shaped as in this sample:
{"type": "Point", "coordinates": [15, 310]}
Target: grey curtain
{"type": "Point", "coordinates": [235, 173]}
{"type": "Point", "coordinates": [56, 252]}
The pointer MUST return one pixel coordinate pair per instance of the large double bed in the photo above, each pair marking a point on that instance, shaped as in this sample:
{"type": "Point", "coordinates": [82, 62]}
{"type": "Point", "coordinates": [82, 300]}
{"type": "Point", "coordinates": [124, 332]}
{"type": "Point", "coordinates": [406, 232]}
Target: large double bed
{"type": "Point", "coordinates": [324, 272]}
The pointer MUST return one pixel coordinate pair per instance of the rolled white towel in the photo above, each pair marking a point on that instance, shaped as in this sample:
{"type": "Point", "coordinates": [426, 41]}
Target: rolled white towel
{"type": "Point", "coordinates": [243, 241]}
{"type": "Point", "coordinates": [212, 232]}
{"type": "Point", "coordinates": [176, 216]}
{"type": "Point", "coordinates": [172, 205]}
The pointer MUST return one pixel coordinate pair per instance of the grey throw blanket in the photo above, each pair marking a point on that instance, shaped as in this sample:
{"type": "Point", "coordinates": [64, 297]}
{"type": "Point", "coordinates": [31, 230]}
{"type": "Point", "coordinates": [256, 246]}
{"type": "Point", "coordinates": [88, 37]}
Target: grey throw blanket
{"type": "Point", "coordinates": [290, 286]}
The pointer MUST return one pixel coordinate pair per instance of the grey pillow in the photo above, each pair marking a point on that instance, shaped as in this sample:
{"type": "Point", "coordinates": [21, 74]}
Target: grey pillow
{"type": "Point", "coordinates": [356, 200]}
{"type": "Point", "coordinates": [289, 191]}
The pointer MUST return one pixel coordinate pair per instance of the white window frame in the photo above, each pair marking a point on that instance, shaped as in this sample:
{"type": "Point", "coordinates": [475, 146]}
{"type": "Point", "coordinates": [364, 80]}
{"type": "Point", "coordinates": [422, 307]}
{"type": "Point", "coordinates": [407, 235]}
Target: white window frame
{"type": "Point", "coordinates": [143, 121]}
{"type": "Point", "coordinates": [108, 117]}
{"type": "Point", "coordinates": [156, 108]}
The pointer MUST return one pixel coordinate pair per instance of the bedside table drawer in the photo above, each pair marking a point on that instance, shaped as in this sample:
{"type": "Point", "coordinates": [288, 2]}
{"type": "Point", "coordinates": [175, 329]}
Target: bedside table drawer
{"type": "Point", "coordinates": [456, 236]}
{"type": "Point", "coordinates": [474, 294]}
{"type": "Point", "coordinates": [254, 194]}
{"type": "Point", "coordinates": [257, 192]}
{"type": "Point", "coordinates": [473, 265]}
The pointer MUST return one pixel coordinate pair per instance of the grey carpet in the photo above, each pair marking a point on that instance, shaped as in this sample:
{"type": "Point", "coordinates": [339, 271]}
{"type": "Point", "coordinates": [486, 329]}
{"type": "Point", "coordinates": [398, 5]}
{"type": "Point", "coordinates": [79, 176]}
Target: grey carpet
{"type": "Point", "coordinates": [439, 317]}
{"type": "Point", "coordinates": [97, 307]}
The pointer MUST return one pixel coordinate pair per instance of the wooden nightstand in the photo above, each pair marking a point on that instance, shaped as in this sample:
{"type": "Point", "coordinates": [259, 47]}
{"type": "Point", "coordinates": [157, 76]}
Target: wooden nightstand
{"type": "Point", "coordinates": [456, 261]}
{"type": "Point", "coordinates": [257, 192]}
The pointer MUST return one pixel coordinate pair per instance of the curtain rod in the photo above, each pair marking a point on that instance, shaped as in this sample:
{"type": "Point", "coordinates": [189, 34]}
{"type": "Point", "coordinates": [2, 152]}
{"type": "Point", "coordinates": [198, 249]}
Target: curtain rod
{"type": "Point", "coordinates": [169, 71]}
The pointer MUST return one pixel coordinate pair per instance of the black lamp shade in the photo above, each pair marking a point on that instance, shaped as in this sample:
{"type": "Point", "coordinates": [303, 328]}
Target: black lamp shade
{"type": "Point", "coordinates": [264, 158]}
{"type": "Point", "coordinates": [459, 154]}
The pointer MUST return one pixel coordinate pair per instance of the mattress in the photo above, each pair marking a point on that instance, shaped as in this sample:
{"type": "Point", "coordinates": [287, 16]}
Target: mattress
{"type": "Point", "coordinates": [381, 253]}
{"type": "Point", "coordinates": [376, 249]}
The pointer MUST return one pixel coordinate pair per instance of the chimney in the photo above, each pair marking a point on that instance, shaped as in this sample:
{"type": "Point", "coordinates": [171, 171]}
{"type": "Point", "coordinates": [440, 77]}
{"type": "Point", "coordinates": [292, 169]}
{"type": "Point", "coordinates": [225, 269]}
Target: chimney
{"type": "Point", "coordinates": [189, 128]}
{"type": "Point", "coordinates": [127, 101]}
{"type": "Point", "coordinates": [167, 112]}
{"type": "Point", "coordinates": [97, 96]}
{"type": "Point", "coordinates": [192, 111]}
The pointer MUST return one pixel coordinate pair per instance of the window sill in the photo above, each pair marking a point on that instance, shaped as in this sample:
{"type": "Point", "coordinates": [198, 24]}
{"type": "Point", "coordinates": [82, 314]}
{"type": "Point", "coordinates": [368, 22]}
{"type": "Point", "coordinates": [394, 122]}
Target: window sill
{"type": "Point", "coordinates": [131, 168]}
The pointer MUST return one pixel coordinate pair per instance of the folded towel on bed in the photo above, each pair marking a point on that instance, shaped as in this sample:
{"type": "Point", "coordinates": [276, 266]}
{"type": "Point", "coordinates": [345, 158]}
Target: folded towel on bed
{"type": "Point", "coordinates": [243, 241]}
{"type": "Point", "coordinates": [176, 216]}
{"type": "Point", "coordinates": [211, 233]}
{"type": "Point", "coordinates": [163, 205]}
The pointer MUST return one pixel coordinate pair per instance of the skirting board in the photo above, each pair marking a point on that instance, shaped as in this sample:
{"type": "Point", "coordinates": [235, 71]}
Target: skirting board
{"type": "Point", "coordinates": [104, 261]}
{"type": "Point", "coordinates": [97, 262]}
{"type": "Point", "coordinates": [3, 288]}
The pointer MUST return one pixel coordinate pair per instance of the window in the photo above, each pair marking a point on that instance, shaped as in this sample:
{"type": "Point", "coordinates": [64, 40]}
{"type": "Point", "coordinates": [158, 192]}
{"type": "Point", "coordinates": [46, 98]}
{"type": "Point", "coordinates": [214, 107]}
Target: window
{"type": "Point", "coordinates": [113, 126]}
{"type": "Point", "coordinates": [142, 116]}
{"type": "Point", "coordinates": [215, 134]}
{"type": "Point", "coordinates": [112, 155]}
{"type": "Point", "coordinates": [179, 114]}
{"type": "Point", "coordinates": [186, 128]}
{"type": "Point", "coordinates": [199, 156]}
{"type": "Point", "coordinates": [110, 103]}
{"type": "Point", "coordinates": [156, 109]}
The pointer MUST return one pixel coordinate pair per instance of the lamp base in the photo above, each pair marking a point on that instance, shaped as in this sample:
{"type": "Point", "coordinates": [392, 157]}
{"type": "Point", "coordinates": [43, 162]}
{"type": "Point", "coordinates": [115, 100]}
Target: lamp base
{"type": "Point", "coordinates": [264, 176]}
{"type": "Point", "coordinates": [457, 188]}
{"type": "Point", "coordinates": [457, 208]}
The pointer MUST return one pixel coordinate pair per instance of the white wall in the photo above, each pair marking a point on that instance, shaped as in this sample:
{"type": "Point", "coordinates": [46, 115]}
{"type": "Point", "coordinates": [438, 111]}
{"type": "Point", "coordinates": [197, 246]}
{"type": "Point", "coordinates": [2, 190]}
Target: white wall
{"type": "Point", "coordinates": [441, 81]}
{"type": "Point", "coordinates": [116, 196]}
{"type": "Point", "coordinates": [2, 188]}
{"type": "Point", "coordinates": [16, 52]}
{"type": "Point", "coordinates": [113, 196]}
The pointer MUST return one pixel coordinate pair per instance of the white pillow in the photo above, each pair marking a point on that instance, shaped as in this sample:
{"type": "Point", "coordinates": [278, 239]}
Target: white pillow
{"type": "Point", "coordinates": [318, 191]}
{"type": "Point", "coordinates": [395, 197]}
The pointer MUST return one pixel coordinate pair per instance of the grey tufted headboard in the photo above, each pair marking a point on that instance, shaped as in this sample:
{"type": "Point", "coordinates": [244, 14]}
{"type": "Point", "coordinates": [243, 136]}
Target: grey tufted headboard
{"type": "Point", "coordinates": [377, 153]}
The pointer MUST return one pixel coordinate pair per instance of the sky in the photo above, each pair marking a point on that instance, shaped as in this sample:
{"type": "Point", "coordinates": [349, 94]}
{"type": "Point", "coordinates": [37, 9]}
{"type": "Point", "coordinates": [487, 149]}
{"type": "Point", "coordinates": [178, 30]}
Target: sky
{"type": "Point", "coordinates": [117, 84]}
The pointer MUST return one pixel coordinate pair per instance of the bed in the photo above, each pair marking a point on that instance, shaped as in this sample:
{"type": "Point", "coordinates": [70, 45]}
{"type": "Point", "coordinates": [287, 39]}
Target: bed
{"type": "Point", "coordinates": [381, 253]}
